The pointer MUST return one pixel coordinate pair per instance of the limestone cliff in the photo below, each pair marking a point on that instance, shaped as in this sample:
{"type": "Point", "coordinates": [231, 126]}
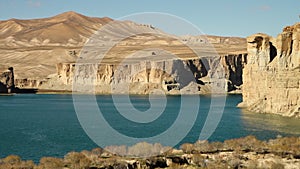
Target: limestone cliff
{"type": "Point", "coordinates": [272, 75]}
{"type": "Point", "coordinates": [29, 83]}
{"type": "Point", "coordinates": [7, 80]}
{"type": "Point", "coordinates": [172, 76]}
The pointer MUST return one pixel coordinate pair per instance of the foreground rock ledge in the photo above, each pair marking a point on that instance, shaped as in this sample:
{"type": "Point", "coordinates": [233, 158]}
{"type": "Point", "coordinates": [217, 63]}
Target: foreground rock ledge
{"type": "Point", "coordinates": [245, 152]}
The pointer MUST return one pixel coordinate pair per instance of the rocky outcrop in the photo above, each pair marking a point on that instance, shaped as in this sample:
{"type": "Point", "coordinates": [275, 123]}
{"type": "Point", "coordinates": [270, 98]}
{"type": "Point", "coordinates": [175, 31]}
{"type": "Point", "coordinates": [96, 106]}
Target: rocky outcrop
{"type": "Point", "coordinates": [272, 75]}
{"type": "Point", "coordinates": [28, 83]}
{"type": "Point", "coordinates": [233, 67]}
{"type": "Point", "coordinates": [7, 80]}
{"type": "Point", "coordinates": [189, 76]}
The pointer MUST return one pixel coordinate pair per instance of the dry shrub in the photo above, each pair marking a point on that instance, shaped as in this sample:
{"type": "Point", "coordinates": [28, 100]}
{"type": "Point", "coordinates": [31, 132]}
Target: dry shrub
{"type": "Point", "coordinates": [77, 160]}
{"type": "Point", "coordinates": [97, 151]}
{"type": "Point", "coordinates": [249, 143]}
{"type": "Point", "coordinates": [117, 150]}
{"type": "Point", "coordinates": [144, 149]}
{"type": "Point", "coordinates": [187, 147]}
{"type": "Point", "coordinates": [216, 146]}
{"type": "Point", "coordinates": [15, 162]}
{"type": "Point", "coordinates": [202, 146]}
{"type": "Point", "coordinates": [51, 163]}
{"type": "Point", "coordinates": [285, 144]}
{"type": "Point", "coordinates": [12, 159]}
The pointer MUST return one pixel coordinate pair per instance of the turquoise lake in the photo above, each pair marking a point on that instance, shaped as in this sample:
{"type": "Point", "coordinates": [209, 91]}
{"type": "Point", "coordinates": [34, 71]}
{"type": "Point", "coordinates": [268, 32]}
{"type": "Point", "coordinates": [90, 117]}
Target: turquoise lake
{"type": "Point", "coordinates": [37, 125]}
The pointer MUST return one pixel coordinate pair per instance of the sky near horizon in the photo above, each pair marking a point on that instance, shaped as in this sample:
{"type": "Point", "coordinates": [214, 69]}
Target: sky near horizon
{"type": "Point", "coordinates": [214, 17]}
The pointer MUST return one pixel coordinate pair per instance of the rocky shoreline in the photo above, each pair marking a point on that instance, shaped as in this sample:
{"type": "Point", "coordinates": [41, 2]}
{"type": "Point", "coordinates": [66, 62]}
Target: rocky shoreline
{"type": "Point", "coordinates": [247, 152]}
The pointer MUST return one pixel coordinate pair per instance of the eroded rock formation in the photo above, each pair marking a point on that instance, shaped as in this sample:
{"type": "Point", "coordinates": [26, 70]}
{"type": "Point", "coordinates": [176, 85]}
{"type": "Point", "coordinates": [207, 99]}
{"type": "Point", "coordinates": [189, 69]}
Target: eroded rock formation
{"type": "Point", "coordinates": [7, 80]}
{"type": "Point", "coordinates": [28, 83]}
{"type": "Point", "coordinates": [190, 76]}
{"type": "Point", "coordinates": [272, 76]}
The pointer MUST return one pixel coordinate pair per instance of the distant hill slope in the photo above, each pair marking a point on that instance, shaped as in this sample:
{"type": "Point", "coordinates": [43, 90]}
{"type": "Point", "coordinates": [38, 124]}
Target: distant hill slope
{"type": "Point", "coordinates": [34, 47]}
{"type": "Point", "coordinates": [69, 29]}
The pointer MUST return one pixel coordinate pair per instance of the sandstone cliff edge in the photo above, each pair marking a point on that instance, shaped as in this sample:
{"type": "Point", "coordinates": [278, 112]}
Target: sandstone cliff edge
{"type": "Point", "coordinates": [272, 75]}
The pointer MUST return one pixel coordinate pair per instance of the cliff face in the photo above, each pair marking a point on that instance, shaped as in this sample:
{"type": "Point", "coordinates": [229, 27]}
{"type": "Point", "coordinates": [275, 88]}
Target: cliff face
{"type": "Point", "coordinates": [272, 75]}
{"type": "Point", "coordinates": [28, 83]}
{"type": "Point", "coordinates": [7, 81]}
{"type": "Point", "coordinates": [34, 47]}
{"type": "Point", "coordinates": [233, 67]}
{"type": "Point", "coordinates": [189, 76]}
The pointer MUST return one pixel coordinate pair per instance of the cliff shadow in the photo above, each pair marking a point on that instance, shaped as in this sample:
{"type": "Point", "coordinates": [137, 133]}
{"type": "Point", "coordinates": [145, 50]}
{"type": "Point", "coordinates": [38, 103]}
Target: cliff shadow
{"type": "Point", "coordinates": [273, 51]}
{"type": "Point", "coordinates": [3, 88]}
{"type": "Point", "coordinates": [184, 74]}
{"type": "Point", "coordinates": [24, 91]}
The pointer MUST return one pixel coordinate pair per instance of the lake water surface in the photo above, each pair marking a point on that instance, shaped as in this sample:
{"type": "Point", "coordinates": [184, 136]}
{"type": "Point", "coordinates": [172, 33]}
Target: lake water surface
{"type": "Point", "coordinates": [37, 125]}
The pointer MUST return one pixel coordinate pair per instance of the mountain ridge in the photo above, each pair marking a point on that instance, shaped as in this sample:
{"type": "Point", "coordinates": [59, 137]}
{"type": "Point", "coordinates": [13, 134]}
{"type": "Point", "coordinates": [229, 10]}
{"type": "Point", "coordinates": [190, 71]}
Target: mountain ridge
{"type": "Point", "coordinates": [63, 28]}
{"type": "Point", "coordinates": [68, 26]}
{"type": "Point", "coordinates": [35, 46]}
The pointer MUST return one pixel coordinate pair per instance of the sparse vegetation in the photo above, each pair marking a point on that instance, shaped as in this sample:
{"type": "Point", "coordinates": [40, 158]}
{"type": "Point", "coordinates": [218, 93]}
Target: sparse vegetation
{"type": "Point", "coordinates": [50, 163]}
{"type": "Point", "coordinates": [247, 152]}
{"type": "Point", "coordinates": [15, 162]}
{"type": "Point", "coordinates": [77, 160]}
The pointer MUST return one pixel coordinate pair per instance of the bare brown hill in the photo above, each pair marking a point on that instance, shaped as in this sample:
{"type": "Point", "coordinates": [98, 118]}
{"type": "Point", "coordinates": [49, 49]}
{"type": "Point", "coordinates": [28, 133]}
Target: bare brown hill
{"type": "Point", "coordinates": [66, 29]}
{"type": "Point", "coordinates": [34, 47]}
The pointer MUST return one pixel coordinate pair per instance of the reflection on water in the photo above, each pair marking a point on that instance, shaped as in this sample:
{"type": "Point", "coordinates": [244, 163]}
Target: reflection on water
{"type": "Point", "coordinates": [258, 122]}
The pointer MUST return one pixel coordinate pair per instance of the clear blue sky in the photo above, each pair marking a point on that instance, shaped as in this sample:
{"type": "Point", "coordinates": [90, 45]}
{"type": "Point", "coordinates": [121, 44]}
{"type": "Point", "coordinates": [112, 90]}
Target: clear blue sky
{"type": "Point", "coordinates": [216, 17]}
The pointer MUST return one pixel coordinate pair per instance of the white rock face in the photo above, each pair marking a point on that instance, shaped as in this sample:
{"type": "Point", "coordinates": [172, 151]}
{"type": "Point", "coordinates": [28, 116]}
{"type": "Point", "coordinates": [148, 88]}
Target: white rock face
{"type": "Point", "coordinates": [172, 76]}
{"type": "Point", "coordinates": [137, 78]}
{"type": "Point", "coordinates": [272, 75]}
